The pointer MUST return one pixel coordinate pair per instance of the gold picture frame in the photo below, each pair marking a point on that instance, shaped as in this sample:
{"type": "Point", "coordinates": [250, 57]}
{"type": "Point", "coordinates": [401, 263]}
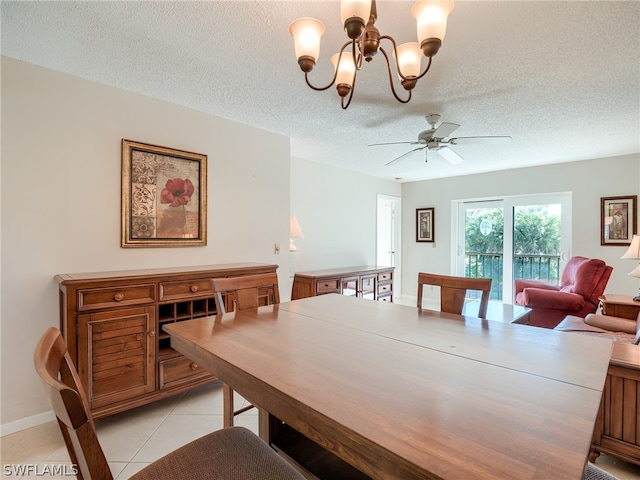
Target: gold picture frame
{"type": "Point", "coordinates": [618, 220]}
{"type": "Point", "coordinates": [164, 196]}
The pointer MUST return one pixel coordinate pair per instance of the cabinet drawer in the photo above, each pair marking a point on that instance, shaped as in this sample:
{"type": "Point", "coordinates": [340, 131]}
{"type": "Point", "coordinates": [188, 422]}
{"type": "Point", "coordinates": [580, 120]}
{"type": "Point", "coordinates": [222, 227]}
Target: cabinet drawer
{"type": "Point", "coordinates": [192, 288]}
{"type": "Point", "coordinates": [330, 285]}
{"type": "Point", "coordinates": [95, 298]}
{"type": "Point", "coordinates": [384, 288]}
{"type": "Point", "coordinates": [175, 371]}
{"type": "Point", "coordinates": [386, 298]}
{"type": "Point", "coordinates": [383, 277]}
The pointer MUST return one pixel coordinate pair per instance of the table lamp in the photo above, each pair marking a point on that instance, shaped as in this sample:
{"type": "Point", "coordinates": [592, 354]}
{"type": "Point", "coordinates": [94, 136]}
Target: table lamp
{"type": "Point", "coordinates": [633, 253]}
{"type": "Point", "coordinates": [294, 232]}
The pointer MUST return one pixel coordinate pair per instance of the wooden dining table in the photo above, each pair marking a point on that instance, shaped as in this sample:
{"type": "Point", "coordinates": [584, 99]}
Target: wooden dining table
{"type": "Point", "coordinates": [398, 392]}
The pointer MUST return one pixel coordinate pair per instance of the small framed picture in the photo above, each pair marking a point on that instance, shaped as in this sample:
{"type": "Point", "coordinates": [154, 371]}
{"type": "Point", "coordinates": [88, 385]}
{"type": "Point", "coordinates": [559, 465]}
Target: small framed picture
{"type": "Point", "coordinates": [164, 196]}
{"type": "Point", "coordinates": [424, 225]}
{"type": "Point", "coordinates": [618, 220]}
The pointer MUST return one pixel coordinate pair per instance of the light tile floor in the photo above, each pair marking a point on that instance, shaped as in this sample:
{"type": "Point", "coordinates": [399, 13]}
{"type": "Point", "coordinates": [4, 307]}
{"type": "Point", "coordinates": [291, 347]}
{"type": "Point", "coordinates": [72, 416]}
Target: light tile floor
{"type": "Point", "coordinates": [135, 438]}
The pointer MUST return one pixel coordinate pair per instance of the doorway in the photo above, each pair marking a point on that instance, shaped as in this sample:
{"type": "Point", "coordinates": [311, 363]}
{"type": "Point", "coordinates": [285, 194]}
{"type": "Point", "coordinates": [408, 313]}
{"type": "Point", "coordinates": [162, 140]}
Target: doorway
{"type": "Point", "coordinates": [388, 238]}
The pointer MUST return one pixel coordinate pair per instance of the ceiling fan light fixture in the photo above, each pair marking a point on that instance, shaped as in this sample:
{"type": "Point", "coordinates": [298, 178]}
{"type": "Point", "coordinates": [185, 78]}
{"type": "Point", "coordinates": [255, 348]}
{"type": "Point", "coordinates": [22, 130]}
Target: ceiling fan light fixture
{"type": "Point", "coordinates": [359, 17]}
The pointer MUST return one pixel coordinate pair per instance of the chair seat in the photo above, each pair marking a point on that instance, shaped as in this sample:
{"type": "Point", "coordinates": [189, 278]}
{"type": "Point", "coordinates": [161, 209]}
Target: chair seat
{"type": "Point", "coordinates": [232, 453]}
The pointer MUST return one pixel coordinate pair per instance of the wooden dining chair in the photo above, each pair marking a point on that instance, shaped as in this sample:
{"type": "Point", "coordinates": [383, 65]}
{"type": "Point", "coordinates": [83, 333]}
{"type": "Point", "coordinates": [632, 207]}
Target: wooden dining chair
{"type": "Point", "coordinates": [249, 291]}
{"type": "Point", "coordinates": [228, 454]}
{"type": "Point", "coordinates": [453, 291]}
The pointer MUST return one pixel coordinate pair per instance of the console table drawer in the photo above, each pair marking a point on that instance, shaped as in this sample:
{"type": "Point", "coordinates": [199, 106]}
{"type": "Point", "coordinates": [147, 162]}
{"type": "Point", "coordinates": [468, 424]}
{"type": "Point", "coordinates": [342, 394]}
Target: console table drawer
{"type": "Point", "coordinates": [384, 277]}
{"type": "Point", "coordinates": [95, 298]}
{"type": "Point", "coordinates": [384, 288]}
{"type": "Point", "coordinates": [191, 288]}
{"type": "Point", "coordinates": [328, 286]}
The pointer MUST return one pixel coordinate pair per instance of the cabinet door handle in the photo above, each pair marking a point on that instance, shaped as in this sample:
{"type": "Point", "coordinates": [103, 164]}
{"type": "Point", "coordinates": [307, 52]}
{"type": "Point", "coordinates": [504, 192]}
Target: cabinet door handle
{"type": "Point", "coordinates": [194, 288]}
{"type": "Point", "coordinates": [152, 333]}
{"type": "Point", "coordinates": [118, 297]}
{"type": "Point", "coordinates": [194, 366]}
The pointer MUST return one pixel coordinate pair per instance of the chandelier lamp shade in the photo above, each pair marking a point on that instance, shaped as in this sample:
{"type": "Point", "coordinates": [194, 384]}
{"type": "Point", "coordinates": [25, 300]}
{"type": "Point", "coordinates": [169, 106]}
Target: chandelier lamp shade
{"type": "Point", "coordinates": [359, 18]}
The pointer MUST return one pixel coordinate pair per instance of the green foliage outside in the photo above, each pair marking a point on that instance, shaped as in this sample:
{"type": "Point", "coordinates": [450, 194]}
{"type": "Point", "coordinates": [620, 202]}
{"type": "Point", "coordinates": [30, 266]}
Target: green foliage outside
{"type": "Point", "coordinates": [536, 244]}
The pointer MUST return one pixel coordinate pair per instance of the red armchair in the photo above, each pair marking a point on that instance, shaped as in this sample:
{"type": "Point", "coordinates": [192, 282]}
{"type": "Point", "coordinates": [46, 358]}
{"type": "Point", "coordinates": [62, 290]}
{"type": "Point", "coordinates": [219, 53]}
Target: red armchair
{"type": "Point", "coordinates": [583, 280]}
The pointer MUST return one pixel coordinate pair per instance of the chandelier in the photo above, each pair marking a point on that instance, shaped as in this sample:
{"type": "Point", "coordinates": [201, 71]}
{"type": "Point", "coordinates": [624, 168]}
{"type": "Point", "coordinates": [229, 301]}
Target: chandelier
{"type": "Point", "coordinates": [365, 38]}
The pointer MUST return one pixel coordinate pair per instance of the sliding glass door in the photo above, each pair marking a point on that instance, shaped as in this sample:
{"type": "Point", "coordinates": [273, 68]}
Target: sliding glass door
{"type": "Point", "coordinates": [513, 237]}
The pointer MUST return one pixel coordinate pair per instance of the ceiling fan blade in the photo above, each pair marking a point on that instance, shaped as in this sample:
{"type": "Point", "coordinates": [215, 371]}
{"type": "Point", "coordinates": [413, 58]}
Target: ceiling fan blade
{"type": "Point", "coordinates": [485, 140]}
{"type": "Point", "coordinates": [450, 156]}
{"type": "Point", "coordinates": [397, 159]}
{"type": "Point", "coordinates": [445, 129]}
{"type": "Point", "coordinates": [393, 143]}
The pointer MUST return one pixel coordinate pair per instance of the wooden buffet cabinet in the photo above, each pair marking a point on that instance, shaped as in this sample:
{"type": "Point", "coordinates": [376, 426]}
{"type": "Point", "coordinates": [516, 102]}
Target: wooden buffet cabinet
{"type": "Point", "coordinates": [372, 282]}
{"type": "Point", "coordinates": [112, 324]}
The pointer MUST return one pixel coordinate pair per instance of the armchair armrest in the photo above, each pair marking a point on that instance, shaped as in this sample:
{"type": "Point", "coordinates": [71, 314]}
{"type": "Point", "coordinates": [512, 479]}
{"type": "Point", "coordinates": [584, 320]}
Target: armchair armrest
{"type": "Point", "coordinates": [520, 285]}
{"type": "Point", "coordinates": [540, 297]}
{"type": "Point", "coordinates": [608, 322]}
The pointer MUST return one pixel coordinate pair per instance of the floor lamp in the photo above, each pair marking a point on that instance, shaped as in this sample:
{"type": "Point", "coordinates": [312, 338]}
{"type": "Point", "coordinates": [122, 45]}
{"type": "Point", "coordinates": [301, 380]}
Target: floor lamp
{"type": "Point", "coordinates": [633, 253]}
{"type": "Point", "coordinates": [294, 232]}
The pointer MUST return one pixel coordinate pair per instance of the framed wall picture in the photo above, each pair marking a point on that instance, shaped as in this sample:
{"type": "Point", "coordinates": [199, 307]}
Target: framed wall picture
{"type": "Point", "coordinates": [164, 196]}
{"type": "Point", "coordinates": [424, 225]}
{"type": "Point", "coordinates": [618, 220]}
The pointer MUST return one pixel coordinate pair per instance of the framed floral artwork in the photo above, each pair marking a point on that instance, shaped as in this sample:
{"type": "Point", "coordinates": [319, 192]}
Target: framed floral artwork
{"type": "Point", "coordinates": [164, 196]}
{"type": "Point", "coordinates": [618, 220]}
{"type": "Point", "coordinates": [424, 225]}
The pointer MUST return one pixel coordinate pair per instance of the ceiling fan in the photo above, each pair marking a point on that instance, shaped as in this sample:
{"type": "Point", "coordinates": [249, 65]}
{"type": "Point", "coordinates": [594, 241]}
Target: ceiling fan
{"type": "Point", "coordinates": [436, 139]}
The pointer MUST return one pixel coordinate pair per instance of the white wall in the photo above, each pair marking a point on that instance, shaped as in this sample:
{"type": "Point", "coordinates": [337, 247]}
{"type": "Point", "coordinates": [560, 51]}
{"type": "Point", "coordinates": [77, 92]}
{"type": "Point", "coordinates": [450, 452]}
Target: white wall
{"type": "Point", "coordinates": [336, 210]}
{"type": "Point", "coordinates": [587, 181]}
{"type": "Point", "coordinates": [61, 173]}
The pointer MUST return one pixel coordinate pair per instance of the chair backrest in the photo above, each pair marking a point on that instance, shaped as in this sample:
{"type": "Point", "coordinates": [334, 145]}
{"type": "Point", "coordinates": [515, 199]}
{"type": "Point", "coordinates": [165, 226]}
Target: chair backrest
{"type": "Point", "coordinates": [70, 405]}
{"type": "Point", "coordinates": [453, 291]}
{"type": "Point", "coordinates": [585, 276]}
{"type": "Point", "coordinates": [247, 291]}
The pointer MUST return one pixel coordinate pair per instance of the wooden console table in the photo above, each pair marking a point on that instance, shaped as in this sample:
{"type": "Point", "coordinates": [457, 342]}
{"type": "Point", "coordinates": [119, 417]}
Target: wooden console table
{"type": "Point", "coordinates": [620, 306]}
{"type": "Point", "coordinates": [112, 324]}
{"type": "Point", "coordinates": [372, 282]}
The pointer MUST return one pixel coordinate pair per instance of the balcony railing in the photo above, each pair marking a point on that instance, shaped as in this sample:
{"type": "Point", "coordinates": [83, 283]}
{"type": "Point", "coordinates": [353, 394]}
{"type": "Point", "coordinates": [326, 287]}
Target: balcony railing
{"type": "Point", "coordinates": [530, 267]}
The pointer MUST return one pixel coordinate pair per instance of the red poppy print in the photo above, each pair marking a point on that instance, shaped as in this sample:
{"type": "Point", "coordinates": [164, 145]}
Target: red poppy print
{"type": "Point", "coordinates": [177, 192]}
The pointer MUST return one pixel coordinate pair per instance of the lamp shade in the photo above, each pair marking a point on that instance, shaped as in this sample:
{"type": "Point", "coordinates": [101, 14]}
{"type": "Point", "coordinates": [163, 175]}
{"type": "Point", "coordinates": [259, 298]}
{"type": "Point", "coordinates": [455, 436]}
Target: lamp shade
{"type": "Point", "coordinates": [306, 34]}
{"type": "Point", "coordinates": [633, 252]}
{"type": "Point", "coordinates": [294, 228]}
{"type": "Point", "coordinates": [431, 17]}
{"type": "Point", "coordinates": [409, 59]}
{"type": "Point", "coordinates": [346, 69]}
{"type": "Point", "coordinates": [355, 8]}
{"type": "Point", "coordinates": [635, 272]}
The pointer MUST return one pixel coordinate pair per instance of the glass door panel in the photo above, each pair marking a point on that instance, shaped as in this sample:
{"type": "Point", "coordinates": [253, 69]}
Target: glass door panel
{"type": "Point", "coordinates": [350, 287]}
{"type": "Point", "coordinates": [484, 244]}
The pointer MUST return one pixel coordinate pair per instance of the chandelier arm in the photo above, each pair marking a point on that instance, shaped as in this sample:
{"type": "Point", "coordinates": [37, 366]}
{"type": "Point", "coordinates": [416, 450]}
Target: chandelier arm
{"type": "Point", "coordinates": [393, 89]}
{"type": "Point", "coordinates": [335, 74]}
{"type": "Point", "coordinates": [395, 51]}
{"type": "Point", "coordinates": [357, 58]}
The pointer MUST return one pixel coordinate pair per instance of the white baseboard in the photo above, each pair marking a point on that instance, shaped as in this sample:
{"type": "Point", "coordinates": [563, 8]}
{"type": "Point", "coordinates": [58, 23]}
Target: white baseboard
{"type": "Point", "coordinates": [27, 422]}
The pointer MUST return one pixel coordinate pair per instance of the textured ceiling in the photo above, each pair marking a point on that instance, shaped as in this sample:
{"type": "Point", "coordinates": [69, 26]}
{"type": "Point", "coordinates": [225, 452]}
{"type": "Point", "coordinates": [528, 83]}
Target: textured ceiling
{"type": "Point", "coordinates": [562, 78]}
